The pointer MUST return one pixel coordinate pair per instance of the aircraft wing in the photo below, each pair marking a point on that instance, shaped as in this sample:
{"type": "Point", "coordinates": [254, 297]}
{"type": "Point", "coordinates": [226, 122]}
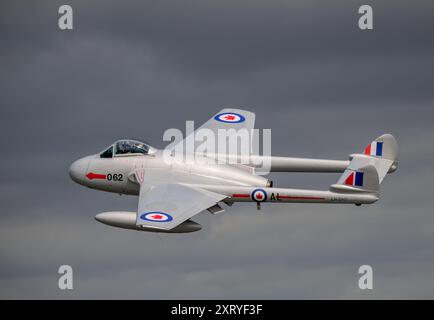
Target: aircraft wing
{"type": "Point", "coordinates": [166, 205]}
{"type": "Point", "coordinates": [227, 118]}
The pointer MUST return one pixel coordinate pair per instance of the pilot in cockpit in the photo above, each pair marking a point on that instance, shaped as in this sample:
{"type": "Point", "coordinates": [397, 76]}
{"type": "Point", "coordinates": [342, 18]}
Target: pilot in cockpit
{"type": "Point", "coordinates": [126, 147]}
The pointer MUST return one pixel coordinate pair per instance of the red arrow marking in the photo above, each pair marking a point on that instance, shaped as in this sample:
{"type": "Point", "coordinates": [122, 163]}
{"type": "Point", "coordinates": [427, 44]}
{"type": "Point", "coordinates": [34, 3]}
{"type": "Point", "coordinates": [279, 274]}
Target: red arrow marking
{"type": "Point", "coordinates": [92, 176]}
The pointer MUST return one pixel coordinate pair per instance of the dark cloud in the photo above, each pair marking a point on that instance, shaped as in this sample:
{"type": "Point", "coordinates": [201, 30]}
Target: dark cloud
{"type": "Point", "coordinates": [136, 68]}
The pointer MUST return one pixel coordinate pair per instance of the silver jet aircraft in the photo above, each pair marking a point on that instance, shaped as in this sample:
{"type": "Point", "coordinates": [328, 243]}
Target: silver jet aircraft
{"type": "Point", "coordinates": [172, 191]}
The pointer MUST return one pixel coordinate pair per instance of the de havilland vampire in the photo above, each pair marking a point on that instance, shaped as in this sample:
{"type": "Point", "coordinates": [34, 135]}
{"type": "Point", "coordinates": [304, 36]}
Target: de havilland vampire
{"type": "Point", "coordinates": [172, 191]}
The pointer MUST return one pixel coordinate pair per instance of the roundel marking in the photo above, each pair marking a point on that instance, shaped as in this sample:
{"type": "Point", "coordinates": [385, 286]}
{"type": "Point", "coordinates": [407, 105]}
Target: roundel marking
{"type": "Point", "coordinates": [230, 117]}
{"type": "Point", "coordinates": [156, 216]}
{"type": "Point", "coordinates": [259, 195]}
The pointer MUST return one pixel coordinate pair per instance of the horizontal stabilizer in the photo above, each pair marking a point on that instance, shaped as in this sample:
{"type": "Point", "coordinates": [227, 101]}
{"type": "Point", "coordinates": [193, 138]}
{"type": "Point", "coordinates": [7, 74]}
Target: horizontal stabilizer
{"type": "Point", "coordinates": [366, 171]}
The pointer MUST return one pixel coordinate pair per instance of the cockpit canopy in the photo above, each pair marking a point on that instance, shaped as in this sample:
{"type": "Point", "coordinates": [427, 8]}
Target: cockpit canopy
{"type": "Point", "coordinates": [126, 147]}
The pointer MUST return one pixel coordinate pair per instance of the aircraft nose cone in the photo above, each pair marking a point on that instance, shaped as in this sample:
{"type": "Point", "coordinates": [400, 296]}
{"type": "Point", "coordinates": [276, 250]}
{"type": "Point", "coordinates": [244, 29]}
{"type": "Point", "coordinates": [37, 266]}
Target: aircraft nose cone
{"type": "Point", "coordinates": [78, 169]}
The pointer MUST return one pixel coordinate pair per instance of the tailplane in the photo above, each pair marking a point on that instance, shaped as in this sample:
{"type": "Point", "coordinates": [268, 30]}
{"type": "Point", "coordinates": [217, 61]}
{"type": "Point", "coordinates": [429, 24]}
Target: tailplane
{"type": "Point", "coordinates": [366, 171]}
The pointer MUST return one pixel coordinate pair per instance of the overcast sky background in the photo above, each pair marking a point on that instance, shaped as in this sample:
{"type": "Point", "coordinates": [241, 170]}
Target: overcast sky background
{"type": "Point", "coordinates": [136, 68]}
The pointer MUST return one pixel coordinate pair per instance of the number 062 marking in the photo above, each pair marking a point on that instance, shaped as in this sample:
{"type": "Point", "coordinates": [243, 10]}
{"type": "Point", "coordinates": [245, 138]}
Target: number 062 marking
{"type": "Point", "coordinates": [114, 177]}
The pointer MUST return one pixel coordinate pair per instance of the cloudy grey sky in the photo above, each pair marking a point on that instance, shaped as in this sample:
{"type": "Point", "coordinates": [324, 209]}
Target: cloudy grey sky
{"type": "Point", "coordinates": [136, 68]}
